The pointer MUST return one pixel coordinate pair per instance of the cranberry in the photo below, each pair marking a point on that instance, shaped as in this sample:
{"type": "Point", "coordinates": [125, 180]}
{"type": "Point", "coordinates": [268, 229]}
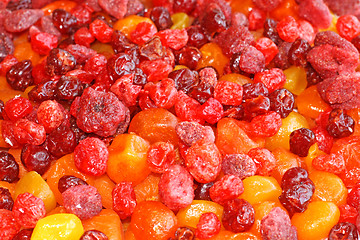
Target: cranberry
{"type": "Point", "coordinates": [184, 233]}
{"type": "Point", "coordinates": [214, 19]}
{"type": "Point", "coordinates": [253, 90]}
{"type": "Point", "coordinates": [24, 234]}
{"type": "Point", "coordinates": [202, 191]}
{"type": "Point", "coordinates": [298, 52]}
{"type": "Point", "coordinates": [188, 56]}
{"type": "Point", "coordinates": [340, 124]}
{"type": "Point", "coordinates": [67, 88]}
{"type": "Point", "coordinates": [124, 199]}
{"type": "Point", "coordinates": [208, 226]}
{"type": "Point", "coordinates": [256, 106]}
{"type": "Point", "coordinates": [64, 21]}
{"type": "Point", "coordinates": [68, 181]}
{"type": "Point", "coordinates": [197, 36]}
{"type": "Point", "coordinates": [282, 101]}
{"type": "Point", "coordinates": [59, 62]}
{"type": "Point", "coordinates": [1, 109]}
{"type": "Point", "coordinates": [238, 215]}
{"type": "Point", "coordinates": [270, 31]}
{"type": "Point", "coordinates": [9, 169]}
{"type": "Point", "coordinates": [120, 65]}
{"type": "Point", "coordinates": [312, 77]}
{"type": "Point", "coordinates": [161, 17]}
{"type": "Point", "coordinates": [20, 4]}
{"type": "Point", "coordinates": [343, 230]}
{"type": "Point", "coordinates": [297, 190]}
{"type": "Point", "coordinates": [301, 140]}
{"type": "Point", "coordinates": [61, 141]}
{"type": "Point", "coordinates": [281, 60]}
{"type": "Point", "coordinates": [19, 76]}
{"type": "Point", "coordinates": [94, 235]}
{"type": "Point", "coordinates": [35, 158]}
{"type": "Point", "coordinates": [186, 6]}
{"type": "Point", "coordinates": [6, 46]}
{"type": "Point", "coordinates": [6, 201]}
{"type": "Point", "coordinates": [185, 79]}
{"type": "Point", "coordinates": [43, 91]}
{"type": "Point", "coordinates": [120, 42]}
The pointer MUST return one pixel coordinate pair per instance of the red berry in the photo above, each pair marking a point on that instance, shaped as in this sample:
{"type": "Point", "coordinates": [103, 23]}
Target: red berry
{"type": "Point", "coordinates": [257, 19]}
{"type": "Point", "coordinates": [43, 42]}
{"type": "Point", "coordinates": [91, 156]}
{"type": "Point", "coordinates": [227, 188]}
{"type": "Point", "coordinates": [173, 38]}
{"type": "Point", "coordinates": [143, 32]}
{"type": "Point", "coordinates": [28, 209]}
{"type": "Point", "coordinates": [160, 157]}
{"type": "Point", "coordinates": [83, 37]}
{"type": "Point", "coordinates": [273, 79]}
{"type": "Point", "coordinates": [333, 163]}
{"type": "Point", "coordinates": [208, 226]}
{"type": "Point", "coordinates": [348, 26]}
{"type": "Point", "coordinates": [266, 125]}
{"type": "Point", "coordinates": [212, 111]}
{"type": "Point", "coordinates": [288, 29]}
{"type": "Point", "coordinates": [228, 93]}
{"type": "Point", "coordinates": [124, 199]}
{"type": "Point", "coordinates": [101, 31]}
{"type": "Point", "coordinates": [50, 114]}
{"type": "Point", "coordinates": [18, 107]}
{"type": "Point", "coordinates": [125, 90]}
{"type": "Point", "coordinates": [156, 70]}
{"type": "Point", "coordinates": [187, 108]}
{"type": "Point", "coordinates": [267, 47]}
{"type": "Point", "coordinates": [8, 225]}
{"type": "Point", "coordinates": [264, 160]}
{"type": "Point", "coordinates": [29, 132]}
{"type": "Point", "coordinates": [162, 93]}
{"type": "Point", "coordinates": [348, 214]}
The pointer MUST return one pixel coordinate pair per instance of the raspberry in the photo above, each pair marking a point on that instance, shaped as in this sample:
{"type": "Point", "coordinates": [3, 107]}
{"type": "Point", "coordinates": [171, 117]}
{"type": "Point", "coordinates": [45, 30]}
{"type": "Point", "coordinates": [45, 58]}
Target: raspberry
{"type": "Point", "coordinates": [266, 125]}
{"type": "Point", "coordinates": [50, 115]}
{"type": "Point", "coordinates": [143, 32]}
{"type": "Point", "coordinates": [264, 160]}
{"type": "Point", "coordinates": [227, 188]}
{"type": "Point", "coordinates": [82, 200]}
{"type": "Point", "coordinates": [17, 108]}
{"type": "Point", "coordinates": [176, 188]}
{"type": "Point", "coordinates": [273, 78]}
{"type": "Point", "coordinates": [99, 112]}
{"type": "Point", "coordinates": [228, 93]}
{"type": "Point", "coordinates": [333, 163]}
{"type": "Point", "coordinates": [83, 37]}
{"type": "Point", "coordinates": [208, 226]}
{"type": "Point", "coordinates": [8, 225]}
{"type": "Point", "coordinates": [91, 156]}
{"type": "Point", "coordinates": [28, 209]}
{"type": "Point", "coordinates": [101, 31]}
{"type": "Point", "coordinates": [124, 199]}
{"type": "Point", "coordinates": [267, 47]}
{"type": "Point", "coordinates": [173, 38]}
{"type": "Point", "coordinates": [160, 157]}
{"type": "Point", "coordinates": [288, 29]}
{"type": "Point", "coordinates": [203, 160]}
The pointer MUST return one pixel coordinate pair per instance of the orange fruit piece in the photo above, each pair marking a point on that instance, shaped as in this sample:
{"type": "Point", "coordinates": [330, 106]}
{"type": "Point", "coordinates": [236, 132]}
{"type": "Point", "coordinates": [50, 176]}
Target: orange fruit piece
{"type": "Point", "coordinates": [284, 161]}
{"type": "Point", "coordinates": [105, 186]}
{"type": "Point", "coordinates": [212, 56]}
{"type": "Point", "coordinates": [152, 220]}
{"type": "Point", "coordinates": [62, 4]}
{"type": "Point", "coordinates": [148, 190]}
{"type": "Point", "coordinates": [127, 159]}
{"type": "Point", "coordinates": [107, 222]}
{"type": "Point", "coordinates": [310, 104]}
{"type": "Point", "coordinates": [155, 125]}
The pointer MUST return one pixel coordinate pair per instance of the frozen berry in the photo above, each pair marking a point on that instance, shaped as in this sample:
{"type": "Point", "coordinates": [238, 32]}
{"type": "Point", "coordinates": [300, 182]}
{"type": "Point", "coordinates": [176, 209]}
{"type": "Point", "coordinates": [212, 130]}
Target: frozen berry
{"type": "Point", "coordinates": [208, 226]}
{"type": "Point", "coordinates": [124, 199]}
{"type": "Point", "coordinates": [28, 209]}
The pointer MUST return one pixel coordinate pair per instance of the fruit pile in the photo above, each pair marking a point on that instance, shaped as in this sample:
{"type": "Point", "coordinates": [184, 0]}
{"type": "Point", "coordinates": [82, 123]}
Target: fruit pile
{"type": "Point", "coordinates": [179, 119]}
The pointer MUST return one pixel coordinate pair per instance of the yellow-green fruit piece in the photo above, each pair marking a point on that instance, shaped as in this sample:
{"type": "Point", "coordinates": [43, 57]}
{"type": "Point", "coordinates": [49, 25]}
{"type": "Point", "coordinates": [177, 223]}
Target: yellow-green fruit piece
{"type": "Point", "coordinates": [62, 226]}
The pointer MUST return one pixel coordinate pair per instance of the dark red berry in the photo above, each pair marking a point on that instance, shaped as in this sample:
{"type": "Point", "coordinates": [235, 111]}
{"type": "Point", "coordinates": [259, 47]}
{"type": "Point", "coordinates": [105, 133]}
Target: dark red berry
{"type": "Point", "coordinates": [301, 140]}
{"type": "Point", "coordinates": [238, 215]}
{"type": "Point", "coordinates": [94, 235]}
{"type": "Point", "coordinates": [161, 17]}
{"type": "Point", "coordinates": [35, 158]}
{"type": "Point", "coordinates": [342, 231]}
{"type": "Point", "coordinates": [67, 88]}
{"type": "Point", "coordinates": [64, 21]}
{"type": "Point", "coordinates": [202, 191]}
{"type": "Point", "coordinates": [6, 201]}
{"type": "Point", "coordinates": [253, 90]}
{"type": "Point", "coordinates": [24, 234]}
{"type": "Point", "coordinates": [19, 76]}
{"type": "Point", "coordinates": [61, 141]}
{"type": "Point", "coordinates": [119, 65]}
{"type": "Point", "coordinates": [185, 79]}
{"type": "Point", "coordinates": [68, 181]}
{"type": "Point", "coordinates": [282, 101]}
{"type": "Point", "coordinates": [6, 46]}
{"type": "Point", "coordinates": [59, 62]}
{"type": "Point", "coordinates": [340, 124]}
{"type": "Point", "coordinates": [298, 52]}
{"type": "Point", "coordinates": [197, 36]}
{"type": "Point", "coordinates": [184, 233]}
{"type": "Point", "coordinates": [9, 169]}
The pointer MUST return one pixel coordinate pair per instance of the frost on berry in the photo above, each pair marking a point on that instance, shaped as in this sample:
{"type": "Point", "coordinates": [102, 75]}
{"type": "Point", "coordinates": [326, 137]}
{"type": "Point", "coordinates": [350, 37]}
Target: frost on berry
{"type": "Point", "coordinates": [344, 7]}
{"type": "Point", "coordinates": [124, 199]}
{"type": "Point", "coordinates": [208, 226]}
{"type": "Point", "coordinates": [28, 209]}
{"type": "Point", "coordinates": [191, 132]}
{"type": "Point", "coordinates": [228, 93]}
{"type": "Point", "coordinates": [212, 111]}
{"type": "Point", "coordinates": [234, 40]}
{"type": "Point", "coordinates": [176, 188]}
{"type": "Point", "coordinates": [82, 200]}
{"type": "Point", "coordinates": [91, 156]}
{"type": "Point", "coordinates": [266, 125]}
{"type": "Point", "coordinates": [187, 108]}
{"type": "Point", "coordinates": [240, 165]}
{"type": "Point", "coordinates": [8, 225]}
{"type": "Point", "coordinates": [273, 79]}
{"type": "Point", "coordinates": [203, 161]}
{"type": "Point", "coordinates": [26, 131]}
{"type": "Point", "coordinates": [333, 163]}
{"type": "Point", "coordinates": [227, 188]}
{"type": "Point", "coordinates": [50, 115]}
{"type": "Point", "coordinates": [99, 112]}
{"type": "Point", "coordinates": [277, 225]}
{"type": "Point", "coordinates": [162, 93]}
{"type": "Point", "coordinates": [316, 12]}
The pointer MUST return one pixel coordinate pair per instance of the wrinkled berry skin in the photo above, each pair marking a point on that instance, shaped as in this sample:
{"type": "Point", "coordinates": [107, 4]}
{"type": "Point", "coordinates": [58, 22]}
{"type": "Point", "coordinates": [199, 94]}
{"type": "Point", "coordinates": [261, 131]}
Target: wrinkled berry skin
{"type": "Point", "coordinates": [83, 200]}
{"type": "Point", "coordinates": [6, 201]}
{"type": "Point", "coordinates": [340, 124]}
{"type": "Point", "coordinates": [19, 76]}
{"type": "Point", "coordinates": [343, 230]}
{"type": "Point", "coordinates": [68, 181]}
{"type": "Point", "coordinates": [94, 235]}
{"type": "Point", "coordinates": [9, 169]}
{"type": "Point", "coordinates": [99, 112]}
{"type": "Point", "coordinates": [238, 215]}
{"type": "Point", "coordinates": [59, 62]}
{"type": "Point", "coordinates": [176, 188]}
{"type": "Point", "coordinates": [124, 199]}
{"type": "Point", "coordinates": [301, 140]}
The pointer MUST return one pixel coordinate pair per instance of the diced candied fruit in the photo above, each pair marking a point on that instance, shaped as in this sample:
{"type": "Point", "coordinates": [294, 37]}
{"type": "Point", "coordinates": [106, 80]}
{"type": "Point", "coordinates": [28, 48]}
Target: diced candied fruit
{"type": "Point", "coordinates": [42, 43]}
{"type": "Point", "coordinates": [348, 26]}
{"type": "Point", "coordinates": [267, 47]}
{"type": "Point", "coordinates": [61, 226]}
{"type": "Point", "coordinates": [28, 210]}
